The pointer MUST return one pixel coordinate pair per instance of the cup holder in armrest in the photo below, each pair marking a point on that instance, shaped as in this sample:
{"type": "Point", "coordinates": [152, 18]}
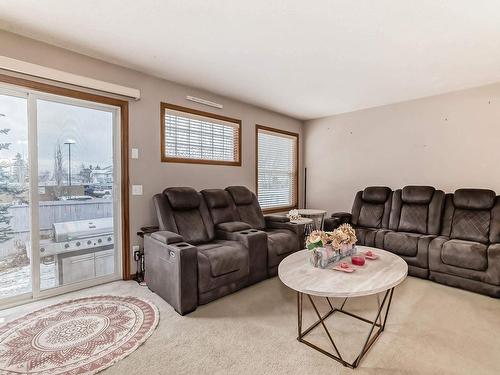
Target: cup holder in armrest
{"type": "Point", "coordinates": [182, 245]}
{"type": "Point", "coordinates": [244, 232]}
{"type": "Point", "coordinates": [253, 231]}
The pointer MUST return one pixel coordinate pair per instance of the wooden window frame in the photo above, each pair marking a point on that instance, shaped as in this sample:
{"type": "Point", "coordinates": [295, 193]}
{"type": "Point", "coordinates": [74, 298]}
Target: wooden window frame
{"type": "Point", "coordinates": [123, 105]}
{"type": "Point", "coordinates": [173, 159]}
{"type": "Point", "coordinates": [296, 187]}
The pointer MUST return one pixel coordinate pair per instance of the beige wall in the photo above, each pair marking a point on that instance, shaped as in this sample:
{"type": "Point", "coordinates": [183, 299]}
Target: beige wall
{"type": "Point", "coordinates": [145, 127]}
{"type": "Point", "coordinates": [448, 141]}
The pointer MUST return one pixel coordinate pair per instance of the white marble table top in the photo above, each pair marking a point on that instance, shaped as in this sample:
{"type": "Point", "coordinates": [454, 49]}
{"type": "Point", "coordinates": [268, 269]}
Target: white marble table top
{"type": "Point", "coordinates": [310, 211]}
{"type": "Point", "coordinates": [374, 277]}
{"type": "Point", "coordinates": [302, 220]}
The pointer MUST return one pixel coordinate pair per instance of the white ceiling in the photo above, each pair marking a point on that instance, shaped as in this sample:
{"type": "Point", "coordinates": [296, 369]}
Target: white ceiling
{"type": "Point", "coordinates": [307, 59]}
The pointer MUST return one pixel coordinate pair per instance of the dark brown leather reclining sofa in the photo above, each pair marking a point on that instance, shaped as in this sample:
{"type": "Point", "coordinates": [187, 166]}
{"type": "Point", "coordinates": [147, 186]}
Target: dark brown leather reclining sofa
{"type": "Point", "coordinates": [213, 243]}
{"type": "Point", "coordinates": [452, 239]}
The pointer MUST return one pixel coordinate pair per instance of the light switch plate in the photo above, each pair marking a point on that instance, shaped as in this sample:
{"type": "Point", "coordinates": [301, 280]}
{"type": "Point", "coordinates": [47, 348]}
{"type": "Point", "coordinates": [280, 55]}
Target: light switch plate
{"type": "Point", "coordinates": [136, 189]}
{"type": "Point", "coordinates": [135, 153]}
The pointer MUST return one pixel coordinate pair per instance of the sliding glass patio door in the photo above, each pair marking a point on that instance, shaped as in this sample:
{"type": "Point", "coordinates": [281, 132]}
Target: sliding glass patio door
{"type": "Point", "coordinates": [15, 251]}
{"type": "Point", "coordinates": [59, 194]}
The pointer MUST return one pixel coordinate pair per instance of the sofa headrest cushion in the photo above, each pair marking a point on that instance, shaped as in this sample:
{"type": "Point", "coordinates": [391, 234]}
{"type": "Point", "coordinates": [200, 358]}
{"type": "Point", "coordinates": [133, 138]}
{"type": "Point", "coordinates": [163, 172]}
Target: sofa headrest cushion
{"type": "Point", "coordinates": [182, 198]}
{"type": "Point", "coordinates": [240, 194]}
{"type": "Point", "coordinates": [474, 199]}
{"type": "Point", "coordinates": [376, 194]}
{"type": "Point", "coordinates": [417, 194]}
{"type": "Point", "coordinates": [215, 198]}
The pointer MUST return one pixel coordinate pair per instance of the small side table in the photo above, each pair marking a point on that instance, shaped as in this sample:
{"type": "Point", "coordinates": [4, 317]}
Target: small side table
{"type": "Point", "coordinates": [308, 224]}
{"type": "Point", "coordinates": [318, 216]}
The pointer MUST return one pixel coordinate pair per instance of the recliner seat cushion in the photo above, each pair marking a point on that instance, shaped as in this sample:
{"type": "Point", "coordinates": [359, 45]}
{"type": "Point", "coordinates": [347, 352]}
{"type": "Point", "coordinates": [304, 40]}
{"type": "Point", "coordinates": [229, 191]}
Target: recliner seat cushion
{"type": "Point", "coordinates": [224, 257]}
{"type": "Point", "coordinates": [402, 243]}
{"type": "Point", "coordinates": [280, 242]}
{"type": "Point", "coordinates": [221, 264]}
{"type": "Point", "coordinates": [472, 225]}
{"type": "Point", "coordinates": [465, 254]}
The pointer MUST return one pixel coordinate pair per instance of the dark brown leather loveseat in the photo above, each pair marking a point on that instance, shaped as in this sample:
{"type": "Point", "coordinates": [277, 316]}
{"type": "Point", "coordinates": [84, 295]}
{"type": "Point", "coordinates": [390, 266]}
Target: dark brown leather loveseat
{"type": "Point", "coordinates": [207, 248]}
{"type": "Point", "coordinates": [452, 239]}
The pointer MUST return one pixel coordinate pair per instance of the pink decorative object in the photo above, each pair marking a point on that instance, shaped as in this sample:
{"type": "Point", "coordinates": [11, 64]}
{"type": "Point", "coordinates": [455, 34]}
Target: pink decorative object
{"type": "Point", "coordinates": [344, 267]}
{"type": "Point", "coordinates": [358, 260]}
{"type": "Point", "coordinates": [371, 255]}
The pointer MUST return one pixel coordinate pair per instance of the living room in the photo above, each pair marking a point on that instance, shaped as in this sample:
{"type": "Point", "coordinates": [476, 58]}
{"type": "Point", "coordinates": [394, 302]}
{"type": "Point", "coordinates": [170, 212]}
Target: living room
{"type": "Point", "coordinates": [195, 187]}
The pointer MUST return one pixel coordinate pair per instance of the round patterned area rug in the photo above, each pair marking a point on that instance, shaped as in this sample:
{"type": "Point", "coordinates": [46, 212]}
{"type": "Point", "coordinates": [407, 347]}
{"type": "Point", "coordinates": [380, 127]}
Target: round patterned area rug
{"type": "Point", "coordinates": [81, 336]}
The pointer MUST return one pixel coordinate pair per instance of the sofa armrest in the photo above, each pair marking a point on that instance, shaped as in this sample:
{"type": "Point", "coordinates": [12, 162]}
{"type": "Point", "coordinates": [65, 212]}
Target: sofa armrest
{"type": "Point", "coordinates": [331, 223]}
{"type": "Point", "coordinates": [167, 237]}
{"type": "Point", "coordinates": [345, 217]}
{"type": "Point", "coordinates": [337, 219]}
{"type": "Point", "coordinates": [297, 228]}
{"type": "Point", "coordinates": [171, 271]}
{"type": "Point", "coordinates": [233, 226]}
{"type": "Point", "coordinates": [277, 218]}
{"type": "Point", "coordinates": [256, 243]}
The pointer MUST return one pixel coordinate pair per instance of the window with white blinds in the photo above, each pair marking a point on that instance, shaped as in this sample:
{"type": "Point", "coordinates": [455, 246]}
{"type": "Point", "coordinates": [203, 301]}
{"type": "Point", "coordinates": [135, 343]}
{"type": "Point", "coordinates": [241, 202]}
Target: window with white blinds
{"type": "Point", "coordinates": [191, 136]}
{"type": "Point", "coordinates": [277, 168]}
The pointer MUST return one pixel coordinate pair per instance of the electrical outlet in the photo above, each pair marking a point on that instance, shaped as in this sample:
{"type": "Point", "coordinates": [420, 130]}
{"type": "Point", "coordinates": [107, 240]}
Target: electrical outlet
{"type": "Point", "coordinates": [136, 252]}
{"type": "Point", "coordinates": [135, 153]}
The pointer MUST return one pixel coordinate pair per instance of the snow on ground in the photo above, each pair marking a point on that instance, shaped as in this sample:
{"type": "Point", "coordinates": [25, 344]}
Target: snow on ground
{"type": "Point", "coordinates": [18, 281]}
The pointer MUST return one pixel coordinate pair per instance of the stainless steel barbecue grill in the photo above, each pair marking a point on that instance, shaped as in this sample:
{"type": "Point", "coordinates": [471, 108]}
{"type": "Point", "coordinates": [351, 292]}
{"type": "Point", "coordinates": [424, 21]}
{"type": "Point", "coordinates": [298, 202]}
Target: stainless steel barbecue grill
{"type": "Point", "coordinates": [82, 249]}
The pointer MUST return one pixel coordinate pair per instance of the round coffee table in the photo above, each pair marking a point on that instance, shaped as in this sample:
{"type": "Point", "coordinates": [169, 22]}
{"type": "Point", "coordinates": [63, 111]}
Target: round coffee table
{"type": "Point", "coordinates": [376, 276]}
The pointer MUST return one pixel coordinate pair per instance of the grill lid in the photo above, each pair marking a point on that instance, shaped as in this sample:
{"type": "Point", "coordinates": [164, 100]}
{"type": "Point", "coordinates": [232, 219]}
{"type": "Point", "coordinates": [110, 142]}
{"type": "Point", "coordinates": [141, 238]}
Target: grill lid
{"type": "Point", "coordinates": [72, 230]}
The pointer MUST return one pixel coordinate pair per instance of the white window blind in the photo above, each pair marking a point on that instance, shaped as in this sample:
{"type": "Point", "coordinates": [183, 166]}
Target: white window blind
{"type": "Point", "coordinates": [277, 169]}
{"type": "Point", "coordinates": [200, 137]}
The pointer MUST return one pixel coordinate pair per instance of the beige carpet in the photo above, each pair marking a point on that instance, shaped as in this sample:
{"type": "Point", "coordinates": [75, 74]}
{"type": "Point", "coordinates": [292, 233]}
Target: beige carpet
{"type": "Point", "coordinates": [432, 329]}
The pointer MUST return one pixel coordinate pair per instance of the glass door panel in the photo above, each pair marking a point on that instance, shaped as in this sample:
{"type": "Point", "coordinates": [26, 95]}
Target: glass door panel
{"type": "Point", "coordinates": [76, 194]}
{"type": "Point", "coordinates": [15, 249]}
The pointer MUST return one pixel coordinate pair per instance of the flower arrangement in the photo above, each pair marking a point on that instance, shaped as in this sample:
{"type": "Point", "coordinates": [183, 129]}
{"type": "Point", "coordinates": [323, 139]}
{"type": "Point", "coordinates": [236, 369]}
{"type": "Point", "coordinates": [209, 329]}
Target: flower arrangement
{"type": "Point", "coordinates": [327, 247]}
{"type": "Point", "coordinates": [343, 237]}
{"type": "Point", "coordinates": [318, 238]}
{"type": "Point", "coordinates": [294, 215]}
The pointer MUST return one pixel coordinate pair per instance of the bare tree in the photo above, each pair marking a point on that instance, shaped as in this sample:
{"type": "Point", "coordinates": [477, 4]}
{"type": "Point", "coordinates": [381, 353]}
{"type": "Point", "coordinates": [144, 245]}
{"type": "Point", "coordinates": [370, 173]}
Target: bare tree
{"type": "Point", "coordinates": [58, 166]}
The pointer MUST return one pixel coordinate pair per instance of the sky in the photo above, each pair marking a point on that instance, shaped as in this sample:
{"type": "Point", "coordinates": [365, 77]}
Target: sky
{"type": "Point", "coordinates": [90, 129]}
